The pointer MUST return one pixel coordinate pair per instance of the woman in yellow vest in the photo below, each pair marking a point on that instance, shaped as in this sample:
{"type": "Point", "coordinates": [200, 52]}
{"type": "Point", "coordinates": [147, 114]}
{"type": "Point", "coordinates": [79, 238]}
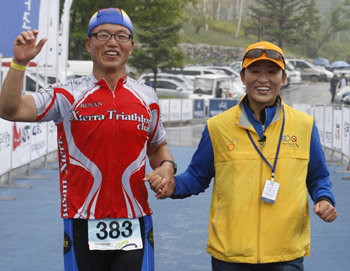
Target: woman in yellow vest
{"type": "Point", "coordinates": [264, 156]}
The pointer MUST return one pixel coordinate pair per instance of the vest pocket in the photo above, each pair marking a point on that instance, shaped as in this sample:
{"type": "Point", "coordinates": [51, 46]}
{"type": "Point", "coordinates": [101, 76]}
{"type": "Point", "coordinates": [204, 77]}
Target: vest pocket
{"type": "Point", "coordinates": [217, 214]}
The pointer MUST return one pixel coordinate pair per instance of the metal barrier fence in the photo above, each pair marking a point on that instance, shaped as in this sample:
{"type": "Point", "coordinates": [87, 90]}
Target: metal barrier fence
{"type": "Point", "coordinates": [22, 144]}
{"type": "Point", "coordinates": [333, 123]}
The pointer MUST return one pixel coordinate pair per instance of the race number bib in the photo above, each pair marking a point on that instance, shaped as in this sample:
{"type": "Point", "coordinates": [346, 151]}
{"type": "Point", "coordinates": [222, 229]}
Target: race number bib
{"type": "Point", "coordinates": [114, 234]}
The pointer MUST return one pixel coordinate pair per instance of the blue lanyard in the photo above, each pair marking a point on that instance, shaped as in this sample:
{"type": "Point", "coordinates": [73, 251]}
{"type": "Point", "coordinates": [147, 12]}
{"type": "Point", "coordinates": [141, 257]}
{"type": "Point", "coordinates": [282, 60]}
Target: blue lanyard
{"type": "Point", "coordinates": [273, 168]}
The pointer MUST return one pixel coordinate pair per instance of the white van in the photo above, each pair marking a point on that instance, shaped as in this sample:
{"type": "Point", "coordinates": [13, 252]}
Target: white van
{"type": "Point", "coordinates": [205, 85]}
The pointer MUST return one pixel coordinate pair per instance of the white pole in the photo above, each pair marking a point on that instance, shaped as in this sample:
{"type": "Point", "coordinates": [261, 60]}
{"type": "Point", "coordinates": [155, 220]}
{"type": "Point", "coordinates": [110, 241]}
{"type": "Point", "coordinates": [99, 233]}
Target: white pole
{"type": "Point", "coordinates": [64, 36]}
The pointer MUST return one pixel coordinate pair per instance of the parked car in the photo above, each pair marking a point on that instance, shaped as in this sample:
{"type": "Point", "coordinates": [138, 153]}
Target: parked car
{"type": "Point", "coordinates": [311, 72]}
{"type": "Point", "coordinates": [205, 85]}
{"type": "Point", "coordinates": [343, 95]}
{"type": "Point", "coordinates": [293, 75]}
{"type": "Point", "coordinates": [226, 69]}
{"type": "Point", "coordinates": [176, 77]}
{"type": "Point", "coordinates": [236, 65]}
{"type": "Point", "coordinates": [171, 88]}
{"type": "Point", "coordinates": [192, 71]}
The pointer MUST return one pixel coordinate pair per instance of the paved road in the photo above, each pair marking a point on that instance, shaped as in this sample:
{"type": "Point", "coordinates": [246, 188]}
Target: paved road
{"type": "Point", "coordinates": [307, 93]}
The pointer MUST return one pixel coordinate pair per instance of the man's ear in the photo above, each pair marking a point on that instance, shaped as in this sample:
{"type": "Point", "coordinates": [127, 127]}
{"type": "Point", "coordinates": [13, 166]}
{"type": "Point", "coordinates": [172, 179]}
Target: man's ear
{"type": "Point", "coordinates": [87, 44]}
{"type": "Point", "coordinates": [133, 43]}
{"type": "Point", "coordinates": [284, 77]}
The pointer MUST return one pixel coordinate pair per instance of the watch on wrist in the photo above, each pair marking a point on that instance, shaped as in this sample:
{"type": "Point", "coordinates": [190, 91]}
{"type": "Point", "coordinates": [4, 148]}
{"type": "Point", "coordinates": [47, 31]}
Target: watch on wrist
{"type": "Point", "coordinates": [172, 162]}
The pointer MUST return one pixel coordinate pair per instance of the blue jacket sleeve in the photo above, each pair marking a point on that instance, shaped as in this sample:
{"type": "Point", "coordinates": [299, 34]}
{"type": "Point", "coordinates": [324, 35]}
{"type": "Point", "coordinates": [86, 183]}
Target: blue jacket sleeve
{"type": "Point", "coordinates": [318, 182]}
{"type": "Point", "coordinates": [199, 173]}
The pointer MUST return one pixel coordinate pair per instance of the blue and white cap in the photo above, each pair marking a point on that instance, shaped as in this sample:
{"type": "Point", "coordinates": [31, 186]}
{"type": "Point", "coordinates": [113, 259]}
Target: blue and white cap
{"type": "Point", "coordinates": [110, 16]}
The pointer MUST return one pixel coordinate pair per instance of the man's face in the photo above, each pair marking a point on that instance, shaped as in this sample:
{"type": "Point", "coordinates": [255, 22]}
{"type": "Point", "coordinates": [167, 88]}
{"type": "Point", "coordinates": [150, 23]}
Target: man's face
{"type": "Point", "coordinates": [110, 55]}
{"type": "Point", "coordinates": [263, 80]}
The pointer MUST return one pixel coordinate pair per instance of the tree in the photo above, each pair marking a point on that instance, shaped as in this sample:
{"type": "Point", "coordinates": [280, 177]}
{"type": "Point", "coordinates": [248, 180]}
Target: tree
{"type": "Point", "coordinates": [278, 21]}
{"type": "Point", "coordinates": [240, 9]}
{"type": "Point", "coordinates": [311, 28]}
{"type": "Point", "coordinates": [158, 25]}
{"type": "Point", "coordinates": [338, 20]}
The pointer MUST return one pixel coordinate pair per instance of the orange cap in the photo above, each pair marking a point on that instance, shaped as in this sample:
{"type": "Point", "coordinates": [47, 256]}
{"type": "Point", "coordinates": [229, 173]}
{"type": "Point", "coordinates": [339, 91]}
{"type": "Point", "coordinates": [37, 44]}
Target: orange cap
{"type": "Point", "coordinates": [265, 45]}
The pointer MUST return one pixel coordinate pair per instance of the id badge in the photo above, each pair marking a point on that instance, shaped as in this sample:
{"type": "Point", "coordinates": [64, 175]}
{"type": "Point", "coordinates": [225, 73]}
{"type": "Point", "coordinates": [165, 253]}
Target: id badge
{"type": "Point", "coordinates": [114, 234]}
{"type": "Point", "coordinates": [269, 194]}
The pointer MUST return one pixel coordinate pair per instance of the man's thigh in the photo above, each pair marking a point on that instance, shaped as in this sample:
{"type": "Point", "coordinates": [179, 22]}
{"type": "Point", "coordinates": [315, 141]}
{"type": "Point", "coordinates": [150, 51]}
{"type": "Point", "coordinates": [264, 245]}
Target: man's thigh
{"type": "Point", "coordinates": [77, 255]}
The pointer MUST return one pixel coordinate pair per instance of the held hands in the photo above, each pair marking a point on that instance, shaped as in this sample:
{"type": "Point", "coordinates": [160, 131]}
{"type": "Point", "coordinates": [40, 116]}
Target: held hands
{"type": "Point", "coordinates": [25, 48]}
{"type": "Point", "coordinates": [325, 211]}
{"type": "Point", "coordinates": [161, 181]}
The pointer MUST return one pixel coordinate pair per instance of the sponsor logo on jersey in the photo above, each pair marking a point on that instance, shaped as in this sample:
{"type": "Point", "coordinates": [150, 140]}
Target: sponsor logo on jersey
{"type": "Point", "coordinates": [114, 115]}
{"type": "Point", "coordinates": [91, 105]}
{"type": "Point", "coordinates": [64, 199]}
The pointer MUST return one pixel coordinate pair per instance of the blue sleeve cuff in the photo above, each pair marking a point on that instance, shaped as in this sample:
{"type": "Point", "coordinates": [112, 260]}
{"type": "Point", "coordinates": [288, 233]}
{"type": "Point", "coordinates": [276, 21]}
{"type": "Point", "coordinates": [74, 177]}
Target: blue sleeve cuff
{"type": "Point", "coordinates": [199, 173]}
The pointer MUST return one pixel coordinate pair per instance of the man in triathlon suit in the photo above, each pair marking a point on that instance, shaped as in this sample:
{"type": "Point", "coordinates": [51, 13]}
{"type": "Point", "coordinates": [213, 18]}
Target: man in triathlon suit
{"type": "Point", "coordinates": [107, 123]}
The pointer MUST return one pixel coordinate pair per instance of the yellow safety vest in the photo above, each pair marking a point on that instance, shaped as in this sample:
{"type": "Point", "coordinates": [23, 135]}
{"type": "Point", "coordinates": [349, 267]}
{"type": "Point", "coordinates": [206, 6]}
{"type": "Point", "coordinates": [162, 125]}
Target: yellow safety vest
{"type": "Point", "coordinates": [242, 228]}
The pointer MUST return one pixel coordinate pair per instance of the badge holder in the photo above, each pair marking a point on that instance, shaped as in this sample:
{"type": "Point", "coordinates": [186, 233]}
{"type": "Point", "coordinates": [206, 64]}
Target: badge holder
{"type": "Point", "coordinates": [270, 192]}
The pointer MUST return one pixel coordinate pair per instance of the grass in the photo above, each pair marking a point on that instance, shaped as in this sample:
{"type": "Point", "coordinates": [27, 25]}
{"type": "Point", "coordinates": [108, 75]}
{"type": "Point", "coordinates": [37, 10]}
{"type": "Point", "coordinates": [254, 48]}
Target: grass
{"type": "Point", "coordinates": [212, 37]}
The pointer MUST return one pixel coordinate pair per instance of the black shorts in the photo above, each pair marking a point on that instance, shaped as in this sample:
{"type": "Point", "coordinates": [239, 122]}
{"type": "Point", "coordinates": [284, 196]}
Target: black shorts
{"type": "Point", "coordinates": [77, 255]}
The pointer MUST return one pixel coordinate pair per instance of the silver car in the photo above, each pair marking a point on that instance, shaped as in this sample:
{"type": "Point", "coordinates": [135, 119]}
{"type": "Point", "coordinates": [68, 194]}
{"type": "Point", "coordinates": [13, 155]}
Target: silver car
{"type": "Point", "coordinates": [168, 88]}
{"type": "Point", "coordinates": [343, 95]}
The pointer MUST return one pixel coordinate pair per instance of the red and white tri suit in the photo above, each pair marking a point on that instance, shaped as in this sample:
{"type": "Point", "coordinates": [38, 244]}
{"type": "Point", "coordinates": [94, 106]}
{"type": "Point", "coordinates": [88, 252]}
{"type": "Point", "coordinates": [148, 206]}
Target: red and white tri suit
{"type": "Point", "coordinates": [102, 140]}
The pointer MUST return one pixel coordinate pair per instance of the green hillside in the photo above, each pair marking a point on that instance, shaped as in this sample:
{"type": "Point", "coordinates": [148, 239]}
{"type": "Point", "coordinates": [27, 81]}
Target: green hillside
{"type": "Point", "coordinates": [223, 33]}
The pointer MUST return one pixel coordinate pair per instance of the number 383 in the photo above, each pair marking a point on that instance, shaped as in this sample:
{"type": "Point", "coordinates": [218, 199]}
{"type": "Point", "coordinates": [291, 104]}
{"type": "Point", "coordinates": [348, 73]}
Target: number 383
{"type": "Point", "coordinates": [114, 230]}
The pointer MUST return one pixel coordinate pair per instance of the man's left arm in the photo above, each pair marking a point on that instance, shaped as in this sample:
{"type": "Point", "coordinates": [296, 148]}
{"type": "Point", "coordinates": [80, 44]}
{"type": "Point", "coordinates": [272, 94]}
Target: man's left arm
{"type": "Point", "coordinates": [161, 179]}
{"type": "Point", "coordinates": [318, 182]}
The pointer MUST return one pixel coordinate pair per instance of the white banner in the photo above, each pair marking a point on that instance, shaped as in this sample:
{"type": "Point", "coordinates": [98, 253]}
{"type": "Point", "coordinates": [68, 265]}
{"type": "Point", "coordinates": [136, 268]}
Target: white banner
{"type": "Point", "coordinates": [175, 109]}
{"type": "Point", "coordinates": [186, 109]}
{"type": "Point", "coordinates": [306, 108]}
{"type": "Point", "coordinates": [51, 136]}
{"type": "Point", "coordinates": [328, 126]}
{"type": "Point", "coordinates": [319, 121]}
{"type": "Point", "coordinates": [48, 28]}
{"type": "Point", "coordinates": [337, 128]}
{"type": "Point", "coordinates": [164, 109]}
{"type": "Point", "coordinates": [296, 106]}
{"type": "Point", "coordinates": [5, 146]}
{"type": "Point", "coordinates": [38, 140]}
{"type": "Point", "coordinates": [346, 131]}
{"type": "Point", "coordinates": [21, 144]}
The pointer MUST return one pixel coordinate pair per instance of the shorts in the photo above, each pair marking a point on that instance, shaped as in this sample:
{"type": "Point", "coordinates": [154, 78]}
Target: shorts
{"type": "Point", "coordinates": [77, 255]}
